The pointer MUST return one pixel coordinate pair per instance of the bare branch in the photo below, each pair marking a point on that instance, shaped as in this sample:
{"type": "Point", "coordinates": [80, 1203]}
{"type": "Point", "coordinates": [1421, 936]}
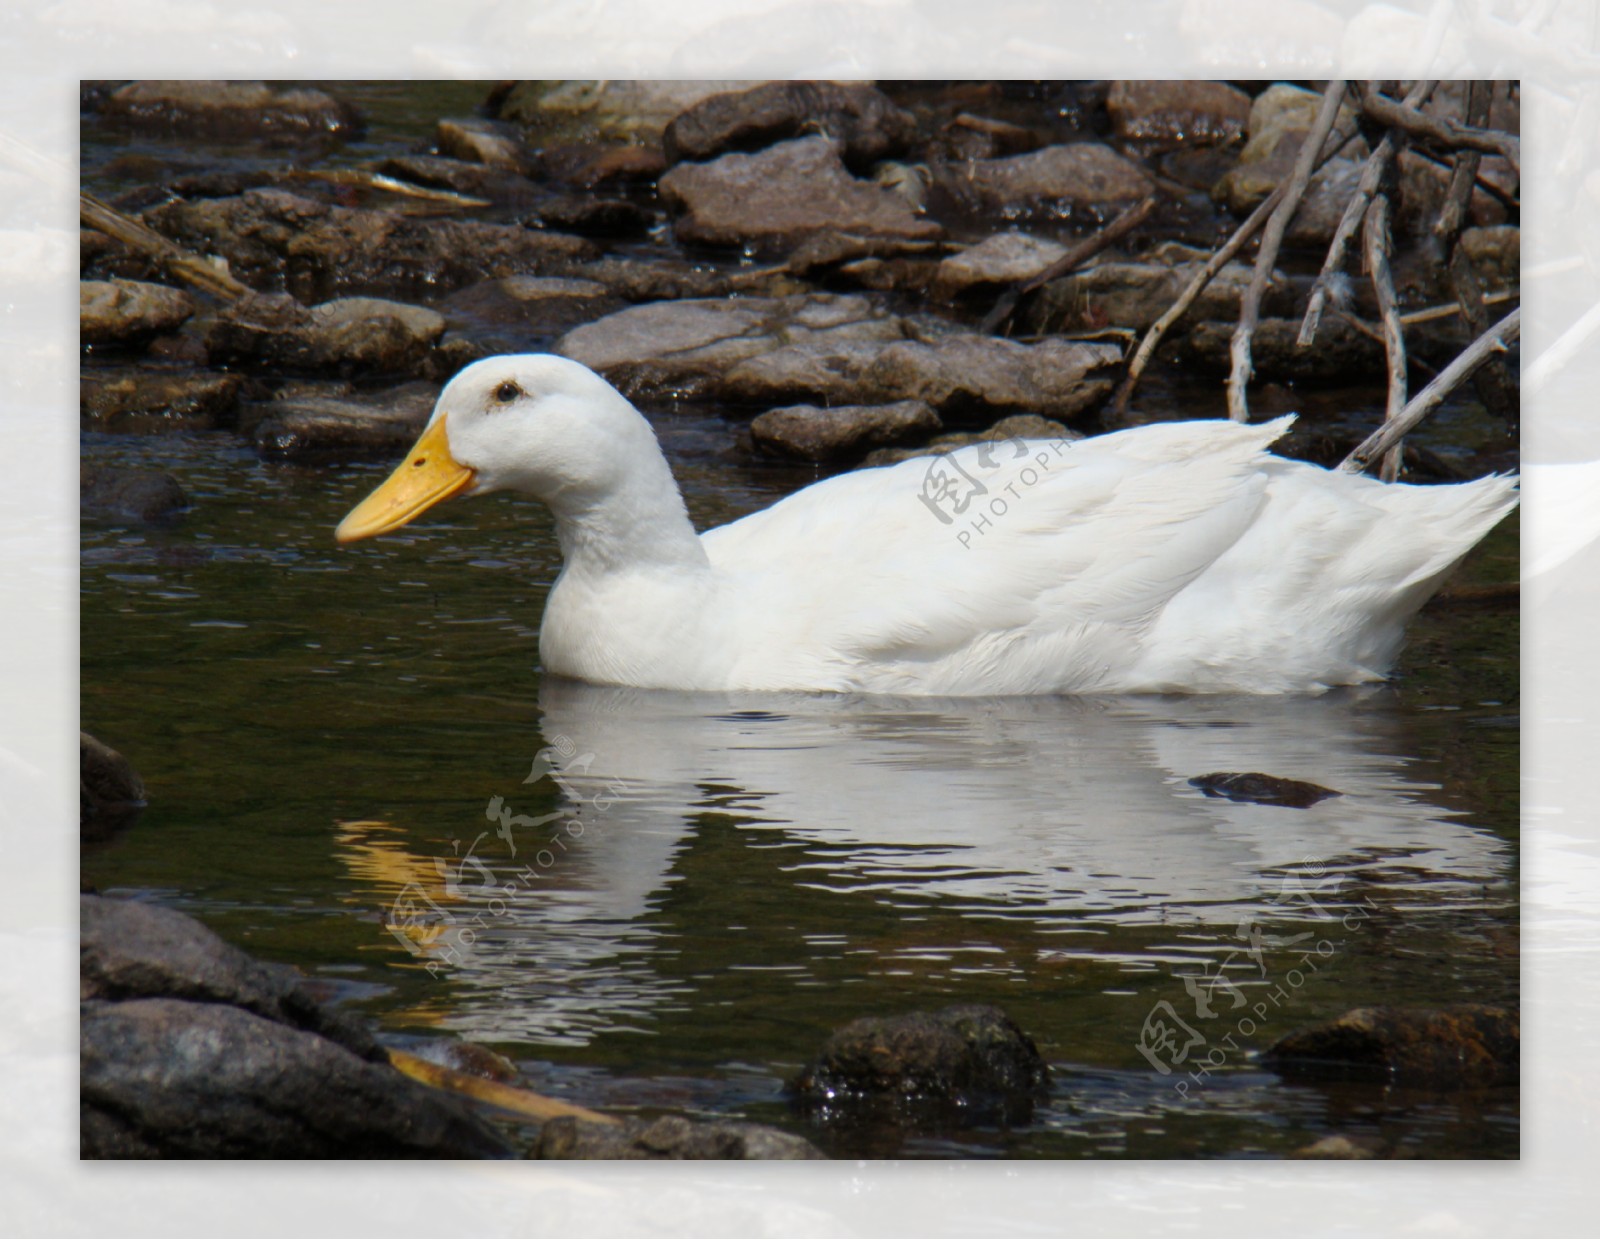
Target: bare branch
{"type": "Point", "coordinates": [1271, 239]}
{"type": "Point", "coordinates": [1394, 341]}
{"type": "Point", "coordinates": [1496, 340]}
{"type": "Point", "coordinates": [190, 268]}
{"type": "Point", "coordinates": [1446, 133]}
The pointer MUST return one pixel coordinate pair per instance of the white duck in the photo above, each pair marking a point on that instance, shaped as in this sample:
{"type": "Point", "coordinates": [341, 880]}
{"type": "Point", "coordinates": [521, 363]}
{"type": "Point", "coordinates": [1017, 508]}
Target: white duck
{"type": "Point", "coordinates": [1180, 557]}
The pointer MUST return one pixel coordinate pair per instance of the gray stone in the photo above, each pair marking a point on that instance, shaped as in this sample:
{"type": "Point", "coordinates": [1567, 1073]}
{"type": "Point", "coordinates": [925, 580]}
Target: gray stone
{"type": "Point", "coordinates": [128, 312]}
{"type": "Point", "coordinates": [484, 142]}
{"type": "Point", "coordinates": [1456, 1045]}
{"type": "Point", "coordinates": [1079, 178]}
{"type": "Point", "coordinates": [861, 120]}
{"type": "Point", "coordinates": [110, 792]}
{"type": "Point", "coordinates": [842, 433]}
{"type": "Point", "coordinates": [328, 430]}
{"type": "Point", "coordinates": [142, 401]}
{"type": "Point", "coordinates": [521, 309]}
{"type": "Point", "coordinates": [1339, 352]}
{"type": "Point", "coordinates": [633, 108]}
{"type": "Point", "coordinates": [230, 109]}
{"type": "Point", "coordinates": [670, 1137]}
{"type": "Point", "coordinates": [1004, 258]}
{"type": "Point", "coordinates": [1178, 111]}
{"type": "Point", "coordinates": [351, 335]}
{"type": "Point", "coordinates": [775, 198]}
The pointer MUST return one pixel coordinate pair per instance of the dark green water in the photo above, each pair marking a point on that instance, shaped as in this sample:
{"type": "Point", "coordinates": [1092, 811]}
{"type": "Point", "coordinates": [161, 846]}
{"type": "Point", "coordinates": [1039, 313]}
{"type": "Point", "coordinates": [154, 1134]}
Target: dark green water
{"type": "Point", "coordinates": [324, 731]}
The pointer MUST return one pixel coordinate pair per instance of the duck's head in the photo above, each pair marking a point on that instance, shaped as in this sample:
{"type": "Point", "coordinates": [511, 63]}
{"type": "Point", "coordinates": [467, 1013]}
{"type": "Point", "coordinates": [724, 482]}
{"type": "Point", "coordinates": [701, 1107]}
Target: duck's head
{"type": "Point", "coordinates": [535, 423]}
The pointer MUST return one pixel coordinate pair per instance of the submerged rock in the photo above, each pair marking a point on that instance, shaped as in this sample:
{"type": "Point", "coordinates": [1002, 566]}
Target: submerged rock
{"type": "Point", "coordinates": [461, 176]}
{"type": "Point", "coordinates": [110, 792]}
{"type": "Point", "coordinates": [352, 335]}
{"type": "Point", "coordinates": [135, 494]}
{"type": "Point", "coordinates": [484, 142]}
{"type": "Point", "coordinates": [529, 307]}
{"type": "Point", "coordinates": [322, 430]}
{"type": "Point", "coordinates": [142, 401]}
{"type": "Point", "coordinates": [191, 1049]}
{"type": "Point", "coordinates": [1340, 353]}
{"type": "Point", "coordinates": [841, 433]}
{"type": "Point", "coordinates": [969, 1061]}
{"type": "Point", "coordinates": [1460, 1044]}
{"type": "Point", "coordinates": [1261, 789]}
{"type": "Point", "coordinates": [669, 1137]}
{"type": "Point", "coordinates": [271, 237]}
{"type": "Point", "coordinates": [218, 109]}
{"type": "Point", "coordinates": [128, 312]}
{"type": "Point", "coordinates": [1178, 111]}
{"type": "Point", "coordinates": [861, 120]}
{"type": "Point", "coordinates": [775, 198]}
{"type": "Point", "coordinates": [589, 216]}
{"type": "Point", "coordinates": [633, 108]}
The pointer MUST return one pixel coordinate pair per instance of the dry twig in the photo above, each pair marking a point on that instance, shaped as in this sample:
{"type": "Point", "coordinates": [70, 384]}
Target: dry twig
{"type": "Point", "coordinates": [506, 1097]}
{"type": "Point", "coordinates": [1441, 132]}
{"type": "Point", "coordinates": [1376, 239]}
{"type": "Point", "coordinates": [1271, 239]}
{"type": "Point", "coordinates": [190, 268]}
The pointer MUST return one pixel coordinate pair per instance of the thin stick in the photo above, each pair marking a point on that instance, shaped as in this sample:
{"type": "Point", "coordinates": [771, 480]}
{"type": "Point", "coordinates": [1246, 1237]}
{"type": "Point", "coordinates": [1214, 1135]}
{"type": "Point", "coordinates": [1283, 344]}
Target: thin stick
{"type": "Point", "coordinates": [1242, 237]}
{"type": "Point", "coordinates": [1271, 239]}
{"type": "Point", "coordinates": [506, 1097]}
{"type": "Point", "coordinates": [1458, 197]}
{"type": "Point", "coordinates": [1496, 340]}
{"type": "Point", "coordinates": [1069, 262]}
{"type": "Point", "coordinates": [1499, 297]}
{"type": "Point", "coordinates": [1394, 342]}
{"type": "Point", "coordinates": [1355, 210]}
{"type": "Point", "coordinates": [1446, 133]}
{"type": "Point", "coordinates": [190, 268]}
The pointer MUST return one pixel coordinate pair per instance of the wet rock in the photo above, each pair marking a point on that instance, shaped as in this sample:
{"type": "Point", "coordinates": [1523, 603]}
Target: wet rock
{"type": "Point", "coordinates": [141, 401]}
{"type": "Point", "coordinates": [230, 109]}
{"type": "Point", "coordinates": [272, 237]}
{"type": "Point", "coordinates": [588, 216]}
{"type": "Point", "coordinates": [484, 142]}
{"type": "Point", "coordinates": [132, 494]}
{"type": "Point", "coordinates": [592, 167]}
{"type": "Point", "coordinates": [321, 430]}
{"type": "Point", "coordinates": [1178, 111]}
{"type": "Point", "coordinates": [961, 374]}
{"type": "Point", "coordinates": [842, 433]}
{"type": "Point", "coordinates": [110, 792]}
{"type": "Point", "coordinates": [352, 335]}
{"type": "Point", "coordinates": [968, 1060]}
{"type": "Point", "coordinates": [1496, 252]}
{"type": "Point", "coordinates": [1079, 178]}
{"type": "Point", "coordinates": [1025, 426]}
{"type": "Point", "coordinates": [773, 199]}
{"type": "Point", "coordinates": [686, 346]}
{"type": "Point", "coordinates": [669, 1137]}
{"type": "Point", "coordinates": [1342, 1147]}
{"type": "Point", "coordinates": [1461, 1044]}
{"type": "Point", "coordinates": [665, 279]}
{"type": "Point", "coordinates": [1424, 185]}
{"type": "Point", "coordinates": [1259, 789]}
{"type": "Point", "coordinates": [1004, 258]}
{"type": "Point", "coordinates": [460, 176]}
{"type": "Point", "coordinates": [1339, 352]}
{"type": "Point", "coordinates": [865, 125]}
{"type": "Point", "coordinates": [127, 312]}
{"type": "Point", "coordinates": [1135, 294]}
{"type": "Point", "coordinates": [966, 136]}
{"type": "Point", "coordinates": [518, 311]}
{"type": "Point", "coordinates": [637, 109]}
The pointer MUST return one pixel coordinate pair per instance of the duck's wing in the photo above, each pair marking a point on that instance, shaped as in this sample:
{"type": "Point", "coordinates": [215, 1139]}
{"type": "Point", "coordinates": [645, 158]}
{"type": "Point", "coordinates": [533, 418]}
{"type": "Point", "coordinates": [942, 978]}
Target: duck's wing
{"type": "Point", "coordinates": [991, 569]}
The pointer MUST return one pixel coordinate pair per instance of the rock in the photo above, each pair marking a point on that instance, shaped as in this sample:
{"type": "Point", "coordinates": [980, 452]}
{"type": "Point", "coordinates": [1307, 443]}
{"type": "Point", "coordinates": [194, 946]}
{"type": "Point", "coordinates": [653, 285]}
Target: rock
{"type": "Point", "coordinates": [1135, 294]}
{"type": "Point", "coordinates": [686, 346]}
{"type": "Point", "coordinates": [669, 1137]}
{"type": "Point", "coordinates": [1178, 111]}
{"type": "Point", "coordinates": [588, 216]}
{"type": "Point", "coordinates": [1460, 1044]}
{"type": "Point", "coordinates": [110, 792]}
{"type": "Point", "coordinates": [1259, 789]}
{"type": "Point", "coordinates": [652, 279]}
{"type": "Point", "coordinates": [230, 109]}
{"type": "Point", "coordinates": [328, 430]}
{"type": "Point", "coordinates": [590, 167]}
{"type": "Point", "coordinates": [127, 312]}
{"type": "Point", "coordinates": [352, 335]}
{"type": "Point", "coordinates": [842, 433]}
{"type": "Point", "coordinates": [1424, 184]}
{"type": "Point", "coordinates": [1496, 252]}
{"type": "Point", "coordinates": [518, 311]}
{"type": "Point", "coordinates": [142, 401]}
{"type": "Point", "coordinates": [1004, 258]}
{"type": "Point", "coordinates": [1339, 353]}
{"type": "Point", "coordinates": [773, 199]}
{"type": "Point", "coordinates": [962, 375]}
{"type": "Point", "coordinates": [637, 109]}
{"type": "Point", "coordinates": [968, 1061]}
{"type": "Point", "coordinates": [461, 176]}
{"type": "Point", "coordinates": [274, 238]}
{"type": "Point", "coordinates": [484, 142]}
{"type": "Point", "coordinates": [862, 122]}
{"type": "Point", "coordinates": [1079, 178]}
{"type": "Point", "coordinates": [192, 1049]}
{"type": "Point", "coordinates": [966, 136]}
{"type": "Point", "coordinates": [131, 494]}
{"type": "Point", "coordinates": [1345, 1148]}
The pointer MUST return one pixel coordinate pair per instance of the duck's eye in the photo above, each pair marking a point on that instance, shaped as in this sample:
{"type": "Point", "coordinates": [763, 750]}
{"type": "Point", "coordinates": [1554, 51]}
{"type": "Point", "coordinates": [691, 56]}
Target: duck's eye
{"type": "Point", "coordinates": [507, 392]}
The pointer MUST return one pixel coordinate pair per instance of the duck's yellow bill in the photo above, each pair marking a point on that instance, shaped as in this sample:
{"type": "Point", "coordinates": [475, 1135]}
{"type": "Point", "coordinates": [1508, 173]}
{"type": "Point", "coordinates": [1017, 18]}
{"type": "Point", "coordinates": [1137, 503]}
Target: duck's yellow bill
{"type": "Point", "coordinates": [428, 475]}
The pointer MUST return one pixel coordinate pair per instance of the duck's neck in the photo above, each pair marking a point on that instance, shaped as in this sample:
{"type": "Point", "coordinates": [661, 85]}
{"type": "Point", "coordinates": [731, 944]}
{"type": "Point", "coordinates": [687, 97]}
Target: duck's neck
{"type": "Point", "coordinates": [639, 524]}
